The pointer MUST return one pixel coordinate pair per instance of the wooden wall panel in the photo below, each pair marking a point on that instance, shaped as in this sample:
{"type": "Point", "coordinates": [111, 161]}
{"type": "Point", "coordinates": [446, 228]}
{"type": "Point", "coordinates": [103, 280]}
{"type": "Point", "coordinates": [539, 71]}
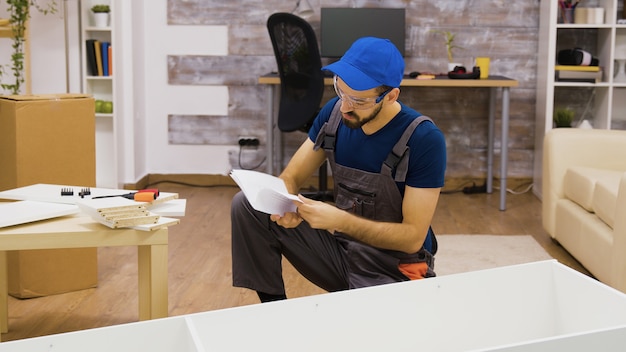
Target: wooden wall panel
{"type": "Point", "coordinates": [507, 34]}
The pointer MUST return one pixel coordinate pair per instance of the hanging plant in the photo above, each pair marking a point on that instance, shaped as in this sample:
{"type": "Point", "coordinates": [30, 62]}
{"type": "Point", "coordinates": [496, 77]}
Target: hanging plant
{"type": "Point", "coordinates": [19, 11]}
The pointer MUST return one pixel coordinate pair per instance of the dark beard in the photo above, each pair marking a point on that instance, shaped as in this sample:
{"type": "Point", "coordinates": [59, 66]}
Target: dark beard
{"type": "Point", "coordinates": [358, 123]}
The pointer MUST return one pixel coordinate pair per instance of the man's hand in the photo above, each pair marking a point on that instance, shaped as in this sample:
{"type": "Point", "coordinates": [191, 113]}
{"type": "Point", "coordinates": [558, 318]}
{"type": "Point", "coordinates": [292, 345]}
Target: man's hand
{"type": "Point", "coordinates": [288, 221]}
{"type": "Point", "coordinates": [318, 214]}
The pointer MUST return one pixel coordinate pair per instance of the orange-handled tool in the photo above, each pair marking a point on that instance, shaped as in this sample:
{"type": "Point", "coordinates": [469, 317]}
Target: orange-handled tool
{"type": "Point", "coordinates": [140, 196]}
{"type": "Point", "coordinates": [153, 190]}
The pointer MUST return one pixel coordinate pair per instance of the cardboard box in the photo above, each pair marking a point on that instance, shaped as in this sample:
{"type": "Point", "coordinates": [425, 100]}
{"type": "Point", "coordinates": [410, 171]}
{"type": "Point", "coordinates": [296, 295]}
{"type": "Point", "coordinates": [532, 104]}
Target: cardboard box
{"type": "Point", "coordinates": [36, 273]}
{"type": "Point", "coordinates": [48, 139]}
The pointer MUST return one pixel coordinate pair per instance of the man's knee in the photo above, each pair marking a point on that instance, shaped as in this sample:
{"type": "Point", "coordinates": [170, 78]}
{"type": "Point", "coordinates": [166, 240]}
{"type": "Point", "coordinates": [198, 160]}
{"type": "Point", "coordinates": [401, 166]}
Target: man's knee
{"type": "Point", "coordinates": [239, 203]}
{"type": "Point", "coordinates": [241, 211]}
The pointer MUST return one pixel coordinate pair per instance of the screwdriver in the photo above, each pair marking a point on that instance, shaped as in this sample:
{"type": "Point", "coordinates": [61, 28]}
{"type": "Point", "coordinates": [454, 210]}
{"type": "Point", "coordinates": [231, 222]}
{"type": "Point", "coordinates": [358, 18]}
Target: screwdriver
{"type": "Point", "coordinates": [139, 196]}
{"type": "Point", "coordinates": [153, 190]}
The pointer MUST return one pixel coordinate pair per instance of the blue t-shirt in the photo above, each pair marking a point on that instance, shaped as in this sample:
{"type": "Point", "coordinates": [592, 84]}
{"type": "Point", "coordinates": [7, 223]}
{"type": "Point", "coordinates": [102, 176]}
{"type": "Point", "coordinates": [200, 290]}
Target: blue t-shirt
{"type": "Point", "coordinates": [355, 149]}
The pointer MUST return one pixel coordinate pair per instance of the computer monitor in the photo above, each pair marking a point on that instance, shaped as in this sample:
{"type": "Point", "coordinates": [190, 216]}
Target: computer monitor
{"type": "Point", "coordinates": [340, 27]}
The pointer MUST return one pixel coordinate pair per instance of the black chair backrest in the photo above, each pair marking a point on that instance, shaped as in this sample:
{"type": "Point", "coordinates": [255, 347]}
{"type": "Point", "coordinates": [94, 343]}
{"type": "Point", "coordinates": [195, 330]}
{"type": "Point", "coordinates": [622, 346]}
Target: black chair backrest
{"type": "Point", "coordinates": [299, 67]}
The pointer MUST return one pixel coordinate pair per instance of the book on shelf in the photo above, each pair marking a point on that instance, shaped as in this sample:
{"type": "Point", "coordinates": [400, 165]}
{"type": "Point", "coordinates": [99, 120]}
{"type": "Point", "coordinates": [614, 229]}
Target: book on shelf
{"type": "Point", "coordinates": [578, 80]}
{"type": "Point", "coordinates": [579, 76]}
{"type": "Point", "coordinates": [266, 193]}
{"type": "Point", "coordinates": [110, 54]}
{"type": "Point", "coordinates": [90, 53]}
{"type": "Point", "coordinates": [105, 58]}
{"type": "Point", "coordinates": [98, 56]}
{"type": "Point", "coordinates": [577, 68]}
{"type": "Point", "coordinates": [98, 48]}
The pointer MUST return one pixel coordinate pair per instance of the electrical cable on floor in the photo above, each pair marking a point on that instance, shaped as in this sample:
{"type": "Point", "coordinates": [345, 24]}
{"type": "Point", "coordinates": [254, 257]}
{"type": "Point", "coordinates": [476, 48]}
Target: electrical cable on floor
{"type": "Point", "coordinates": [467, 186]}
{"type": "Point", "coordinates": [528, 188]}
{"type": "Point", "coordinates": [197, 185]}
{"type": "Point", "coordinates": [460, 189]}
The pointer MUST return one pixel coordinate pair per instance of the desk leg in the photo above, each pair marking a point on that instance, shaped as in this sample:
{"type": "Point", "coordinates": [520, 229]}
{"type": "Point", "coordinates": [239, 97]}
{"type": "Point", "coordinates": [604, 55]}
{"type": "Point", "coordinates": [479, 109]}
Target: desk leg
{"type": "Point", "coordinates": [504, 156]}
{"type": "Point", "coordinates": [490, 138]}
{"type": "Point", "coordinates": [4, 294]}
{"type": "Point", "coordinates": [269, 130]}
{"type": "Point", "coordinates": [152, 281]}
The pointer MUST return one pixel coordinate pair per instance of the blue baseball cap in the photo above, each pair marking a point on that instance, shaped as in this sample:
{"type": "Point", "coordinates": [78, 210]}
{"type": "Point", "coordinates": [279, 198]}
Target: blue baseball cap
{"type": "Point", "coordinates": [369, 63]}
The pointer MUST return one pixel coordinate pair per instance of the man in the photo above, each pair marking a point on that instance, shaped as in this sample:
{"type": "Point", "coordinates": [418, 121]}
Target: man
{"type": "Point", "coordinates": [388, 164]}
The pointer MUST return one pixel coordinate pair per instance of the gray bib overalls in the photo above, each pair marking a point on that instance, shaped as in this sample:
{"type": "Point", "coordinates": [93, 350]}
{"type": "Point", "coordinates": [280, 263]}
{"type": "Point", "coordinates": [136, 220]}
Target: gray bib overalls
{"type": "Point", "coordinates": [333, 262]}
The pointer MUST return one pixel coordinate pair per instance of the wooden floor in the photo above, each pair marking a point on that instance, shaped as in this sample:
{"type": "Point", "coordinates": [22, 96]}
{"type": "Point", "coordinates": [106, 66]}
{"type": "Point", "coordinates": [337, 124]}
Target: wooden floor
{"type": "Point", "coordinates": [199, 262]}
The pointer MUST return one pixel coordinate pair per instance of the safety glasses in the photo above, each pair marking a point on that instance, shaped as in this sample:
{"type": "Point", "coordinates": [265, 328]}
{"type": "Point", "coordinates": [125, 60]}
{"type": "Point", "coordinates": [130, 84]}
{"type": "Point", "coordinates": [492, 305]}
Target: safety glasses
{"type": "Point", "coordinates": [358, 103]}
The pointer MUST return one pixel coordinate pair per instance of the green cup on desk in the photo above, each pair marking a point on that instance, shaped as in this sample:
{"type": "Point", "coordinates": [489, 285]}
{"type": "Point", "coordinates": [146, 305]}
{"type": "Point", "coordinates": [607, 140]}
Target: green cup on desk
{"type": "Point", "coordinates": [483, 63]}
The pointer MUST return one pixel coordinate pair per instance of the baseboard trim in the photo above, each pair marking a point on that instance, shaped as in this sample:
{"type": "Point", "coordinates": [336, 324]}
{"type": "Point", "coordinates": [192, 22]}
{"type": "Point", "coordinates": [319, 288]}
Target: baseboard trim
{"type": "Point", "coordinates": [198, 180]}
{"type": "Point", "coordinates": [206, 180]}
{"type": "Point", "coordinates": [457, 183]}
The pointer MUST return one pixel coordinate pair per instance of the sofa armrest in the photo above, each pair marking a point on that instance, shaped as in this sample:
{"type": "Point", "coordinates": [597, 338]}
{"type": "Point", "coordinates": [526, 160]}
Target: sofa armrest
{"type": "Point", "coordinates": [567, 147]}
{"type": "Point", "coordinates": [619, 239]}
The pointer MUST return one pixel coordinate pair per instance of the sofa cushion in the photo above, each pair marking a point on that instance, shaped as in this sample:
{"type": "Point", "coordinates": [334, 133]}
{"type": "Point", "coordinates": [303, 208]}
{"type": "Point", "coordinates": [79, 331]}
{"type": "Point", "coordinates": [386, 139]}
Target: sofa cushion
{"type": "Point", "coordinates": [579, 184]}
{"type": "Point", "coordinates": [605, 199]}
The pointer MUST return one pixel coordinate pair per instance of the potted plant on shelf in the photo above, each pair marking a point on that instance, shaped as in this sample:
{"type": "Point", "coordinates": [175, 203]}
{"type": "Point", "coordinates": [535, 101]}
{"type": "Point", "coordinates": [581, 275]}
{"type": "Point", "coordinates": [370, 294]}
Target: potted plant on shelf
{"type": "Point", "coordinates": [101, 15]}
{"type": "Point", "coordinates": [563, 117]}
{"type": "Point", "coordinates": [450, 46]}
{"type": "Point", "coordinates": [19, 13]}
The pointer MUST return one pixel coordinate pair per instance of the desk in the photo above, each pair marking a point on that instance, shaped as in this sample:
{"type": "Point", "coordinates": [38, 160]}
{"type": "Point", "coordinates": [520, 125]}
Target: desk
{"type": "Point", "coordinates": [493, 83]}
{"type": "Point", "coordinates": [81, 231]}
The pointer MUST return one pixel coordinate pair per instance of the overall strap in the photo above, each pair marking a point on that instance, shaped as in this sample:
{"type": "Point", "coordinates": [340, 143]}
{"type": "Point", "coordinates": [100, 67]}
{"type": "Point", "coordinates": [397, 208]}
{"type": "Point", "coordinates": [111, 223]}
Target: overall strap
{"type": "Point", "coordinates": [398, 158]}
{"type": "Point", "coordinates": [328, 133]}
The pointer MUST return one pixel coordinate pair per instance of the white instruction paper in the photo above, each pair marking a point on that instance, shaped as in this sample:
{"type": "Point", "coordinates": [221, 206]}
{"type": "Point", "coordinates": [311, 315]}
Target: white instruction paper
{"type": "Point", "coordinates": [265, 192]}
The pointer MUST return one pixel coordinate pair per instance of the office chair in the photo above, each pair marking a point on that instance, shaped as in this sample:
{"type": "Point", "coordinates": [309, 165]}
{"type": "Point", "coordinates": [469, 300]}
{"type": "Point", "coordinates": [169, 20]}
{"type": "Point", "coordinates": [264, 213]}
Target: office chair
{"type": "Point", "coordinates": [301, 80]}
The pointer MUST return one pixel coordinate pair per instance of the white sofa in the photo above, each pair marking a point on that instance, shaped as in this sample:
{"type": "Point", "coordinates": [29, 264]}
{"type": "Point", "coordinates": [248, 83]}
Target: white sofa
{"type": "Point", "coordinates": [584, 198]}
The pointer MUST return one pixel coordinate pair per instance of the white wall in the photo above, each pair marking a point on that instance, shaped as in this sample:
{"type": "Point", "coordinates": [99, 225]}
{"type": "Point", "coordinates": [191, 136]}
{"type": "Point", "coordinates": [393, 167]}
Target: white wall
{"type": "Point", "coordinates": [162, 99]}
{"type": "Point", "coordinates": [47, 35]}
{"type": "Point", "coordinates": [146, 40]}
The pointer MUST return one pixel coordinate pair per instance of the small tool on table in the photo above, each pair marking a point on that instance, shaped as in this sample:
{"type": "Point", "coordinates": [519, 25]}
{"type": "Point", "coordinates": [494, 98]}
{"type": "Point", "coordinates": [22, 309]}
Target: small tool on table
{"type": "Point", "coordinates": [144, 195]}
{"type": "Point", "coordinates": [68, 191]}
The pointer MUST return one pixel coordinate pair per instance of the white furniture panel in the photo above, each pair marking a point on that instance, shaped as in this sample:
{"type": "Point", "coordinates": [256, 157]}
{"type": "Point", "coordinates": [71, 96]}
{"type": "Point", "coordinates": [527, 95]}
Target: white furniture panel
{"type": "Point", "coordinates": [542, 306]}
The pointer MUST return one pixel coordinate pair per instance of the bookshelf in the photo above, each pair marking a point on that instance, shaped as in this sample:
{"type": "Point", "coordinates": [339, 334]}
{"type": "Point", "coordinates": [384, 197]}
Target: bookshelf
{"type": "Point", "coordinates": [99, 82]}
{"type": "Point", "coordinates": [603, 103]}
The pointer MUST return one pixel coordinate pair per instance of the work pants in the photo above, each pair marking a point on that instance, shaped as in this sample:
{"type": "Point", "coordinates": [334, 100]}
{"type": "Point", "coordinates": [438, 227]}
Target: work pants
{"type": "Point", "coordinates": [332, 262]}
